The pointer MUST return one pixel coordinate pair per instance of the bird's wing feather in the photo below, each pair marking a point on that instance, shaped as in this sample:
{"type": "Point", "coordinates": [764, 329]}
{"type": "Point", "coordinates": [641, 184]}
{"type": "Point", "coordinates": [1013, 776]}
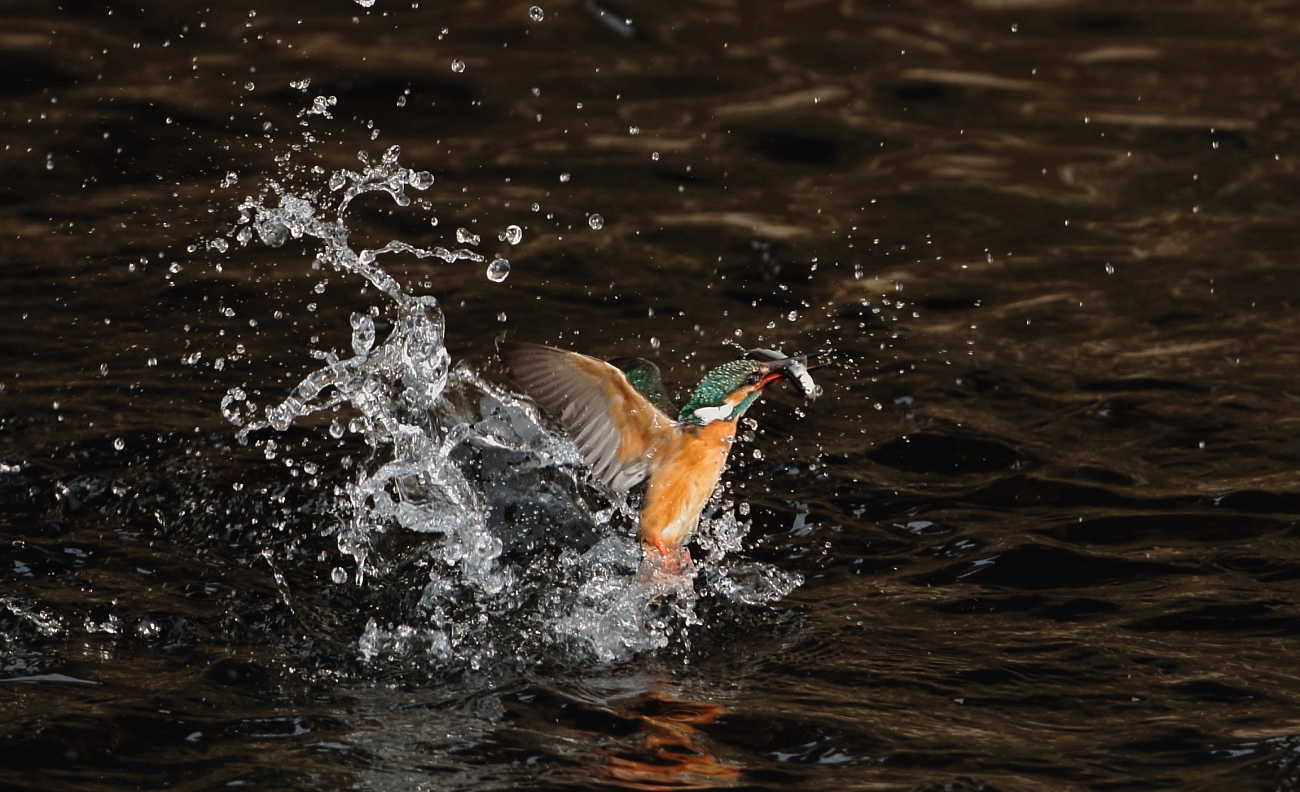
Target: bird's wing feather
{"type": "Point", "coordinates": [644, 376]}
{"type": "Point", "coordinates": [613, 425]}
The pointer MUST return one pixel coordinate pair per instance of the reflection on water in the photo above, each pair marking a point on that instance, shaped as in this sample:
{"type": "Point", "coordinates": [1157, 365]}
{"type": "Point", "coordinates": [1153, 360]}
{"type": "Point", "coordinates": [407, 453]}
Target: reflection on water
{"type": "Point", "coordinates": [668, 751]}
{"type": "Point", "coordinates": [1044, 519]}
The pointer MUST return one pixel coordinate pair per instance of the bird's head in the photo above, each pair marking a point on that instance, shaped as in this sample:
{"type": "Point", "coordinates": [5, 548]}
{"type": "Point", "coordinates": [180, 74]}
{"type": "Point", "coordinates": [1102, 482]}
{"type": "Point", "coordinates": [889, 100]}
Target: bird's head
{"type": "Point", "coordinates": [726, 392]}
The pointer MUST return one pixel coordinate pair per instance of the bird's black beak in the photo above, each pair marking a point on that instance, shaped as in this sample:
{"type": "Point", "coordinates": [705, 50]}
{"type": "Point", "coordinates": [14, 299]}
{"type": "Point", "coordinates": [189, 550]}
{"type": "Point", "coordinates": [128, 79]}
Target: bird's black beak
{"type": "Point", "coordinates": [794, 368]}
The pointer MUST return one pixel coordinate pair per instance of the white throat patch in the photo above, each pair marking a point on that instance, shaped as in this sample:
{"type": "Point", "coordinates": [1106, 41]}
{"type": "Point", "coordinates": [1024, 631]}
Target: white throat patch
{"type": "Point", "coordinates": [708, 415]}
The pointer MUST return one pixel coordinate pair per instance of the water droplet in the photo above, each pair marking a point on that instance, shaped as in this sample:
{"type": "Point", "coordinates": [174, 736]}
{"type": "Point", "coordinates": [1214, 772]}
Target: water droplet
{"type": "Point", "coordinates": [339, 574]}
{"type": "Point", "coordinates": [536, 13]}
{"type": "Point", "coordinates": [336, 429]}
{"type": "Point", "coordinates": [537, 207]}
{"type": "Point", "coordinates": [513, 234]}
{"type": "Point", "coordinates": [119, 444]}
{"type": "Point", "coordinates": [401, 101]}
{"type": "Point", "coordinates": [654, 155]}
{"type": "Point", "coordinates": [501, 317]}
{"type": "Point", "coordinates": [458, 66]}
{"type": "Point", "coordinates": [634, 130]}
{"type": "Point", "coordinates": [466, 237]}
{"type": "Point", "coordinates": [564, 177]}
{"type": "Point", "coordinates": [596, 222]}
{"type": "Point", "coordinates": [1110, 268]}
{"type": "Point", "coordinates": [498, 270]}
{"type": "Point", "coordinates": [249, 86]}
{"type": "Point", "coordinates": [792, 316]}
{"type": "Point", "coordinates": [320, 106]}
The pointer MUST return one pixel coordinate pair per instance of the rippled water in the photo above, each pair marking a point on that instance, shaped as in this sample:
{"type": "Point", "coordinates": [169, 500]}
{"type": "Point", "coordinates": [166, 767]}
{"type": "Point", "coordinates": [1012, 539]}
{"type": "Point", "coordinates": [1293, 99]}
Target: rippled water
{"type": "Point", "coordinates": [274, 519]}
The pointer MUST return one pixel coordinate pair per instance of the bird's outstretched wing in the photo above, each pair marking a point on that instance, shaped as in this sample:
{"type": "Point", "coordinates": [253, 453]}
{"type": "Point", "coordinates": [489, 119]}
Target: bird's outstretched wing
{"type": "Point", "coordinates": [614, 426]}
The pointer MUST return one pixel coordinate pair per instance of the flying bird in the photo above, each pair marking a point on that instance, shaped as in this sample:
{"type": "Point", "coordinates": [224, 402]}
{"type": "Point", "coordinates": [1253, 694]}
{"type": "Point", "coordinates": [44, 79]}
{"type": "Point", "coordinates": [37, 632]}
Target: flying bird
{"type": "Point", "coordinates": [628, 431]}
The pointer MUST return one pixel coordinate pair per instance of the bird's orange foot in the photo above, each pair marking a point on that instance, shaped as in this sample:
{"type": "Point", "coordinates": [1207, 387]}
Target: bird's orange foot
{"type": "Point", "coordinates": [663, 561]}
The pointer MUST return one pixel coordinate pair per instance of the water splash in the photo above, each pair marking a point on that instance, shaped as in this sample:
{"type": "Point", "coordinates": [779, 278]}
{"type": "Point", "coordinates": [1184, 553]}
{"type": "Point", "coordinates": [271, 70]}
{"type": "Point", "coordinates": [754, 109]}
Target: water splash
{"type": "Point", "coordinates": [474, 535]}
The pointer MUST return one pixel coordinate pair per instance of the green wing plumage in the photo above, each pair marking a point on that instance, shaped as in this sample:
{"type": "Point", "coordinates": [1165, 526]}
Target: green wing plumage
{"type": "Point", "coordinates": [644, 376]}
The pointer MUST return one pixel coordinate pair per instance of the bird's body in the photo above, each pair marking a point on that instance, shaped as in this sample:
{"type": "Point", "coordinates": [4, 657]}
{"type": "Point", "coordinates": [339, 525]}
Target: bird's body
{"type": "Point", "coordinates": [618, 416]}
{"type": "Point", "coordinates": [683, 473]}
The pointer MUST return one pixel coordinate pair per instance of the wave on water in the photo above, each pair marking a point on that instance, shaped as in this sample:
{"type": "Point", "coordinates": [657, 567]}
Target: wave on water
{"type": "Point", "coordinates": [474, 525]}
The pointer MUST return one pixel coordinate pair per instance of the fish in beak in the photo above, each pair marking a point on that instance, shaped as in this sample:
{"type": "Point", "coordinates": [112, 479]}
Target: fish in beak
{"type": "Point", "coordinates": [794, 368]}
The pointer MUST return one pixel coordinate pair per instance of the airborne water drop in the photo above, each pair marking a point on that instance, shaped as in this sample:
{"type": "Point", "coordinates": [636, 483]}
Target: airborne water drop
{"type": "Point", "coordinates": [498, 270]}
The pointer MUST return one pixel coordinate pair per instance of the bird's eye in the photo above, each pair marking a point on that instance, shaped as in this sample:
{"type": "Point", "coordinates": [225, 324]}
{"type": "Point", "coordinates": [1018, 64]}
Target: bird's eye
{"type": "Point", "coordinates": [752, 378]}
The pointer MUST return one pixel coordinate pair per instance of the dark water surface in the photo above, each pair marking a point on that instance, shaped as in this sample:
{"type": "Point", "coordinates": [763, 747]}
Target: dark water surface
{"type": "Point", "coordinates": [1040, 533]}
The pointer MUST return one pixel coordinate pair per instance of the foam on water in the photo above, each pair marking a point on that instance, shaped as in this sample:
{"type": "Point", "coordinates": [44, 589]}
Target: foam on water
{"type": "Point", "coordinates": [475, 526]}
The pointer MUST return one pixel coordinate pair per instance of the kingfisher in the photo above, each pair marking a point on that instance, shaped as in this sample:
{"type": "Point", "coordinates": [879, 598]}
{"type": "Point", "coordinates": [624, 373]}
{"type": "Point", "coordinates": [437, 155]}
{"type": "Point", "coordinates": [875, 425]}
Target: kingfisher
{"type": "Point", "coordinates": [618, 414]}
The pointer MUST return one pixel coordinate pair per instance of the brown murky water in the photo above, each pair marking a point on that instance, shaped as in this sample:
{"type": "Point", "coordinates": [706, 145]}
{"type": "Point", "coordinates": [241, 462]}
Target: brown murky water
{"type": "Point", "coordinates": [1045, 515]}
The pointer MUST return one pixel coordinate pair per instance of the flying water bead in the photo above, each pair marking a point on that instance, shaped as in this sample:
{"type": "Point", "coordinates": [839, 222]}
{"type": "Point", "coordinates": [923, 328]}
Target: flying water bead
{"type": "Point", "coordinates": [498, 270]}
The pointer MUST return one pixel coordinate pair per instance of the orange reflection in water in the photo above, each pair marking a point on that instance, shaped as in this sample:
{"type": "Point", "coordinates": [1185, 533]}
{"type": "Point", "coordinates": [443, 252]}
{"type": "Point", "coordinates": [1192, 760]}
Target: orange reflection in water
{"type": "Point", "coordinates": [672, 753]}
